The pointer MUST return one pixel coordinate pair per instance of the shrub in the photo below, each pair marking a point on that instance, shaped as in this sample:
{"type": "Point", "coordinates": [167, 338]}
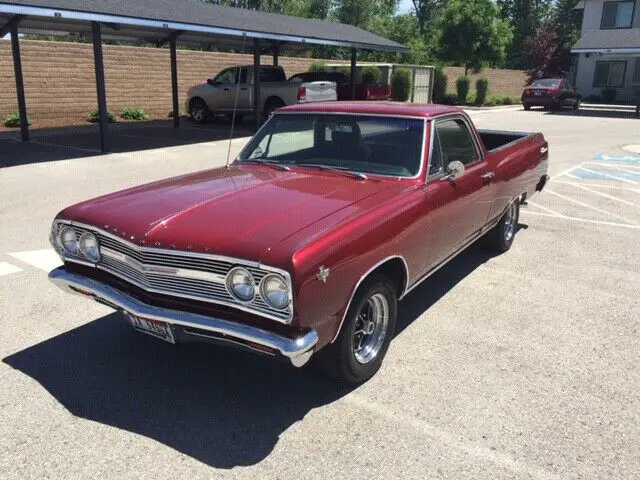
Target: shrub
{"type": "Point", "coordinates": [94, 116]}
{"type": "Point", "coordinates": [608, 95]}
{"type": "Point", "coordinates": [133, 113]}
{"type": "Point", "coordinates": [482, 89]}
{"type": "Point", "coordinates": [449, 99]}
{"type": "Point", "coordinates": [462, 88]}
{"type": "Point", "coordinates": [370, 74]}
{"type": "Point", "coordinates": [318, 66]}
{"type": "Point", "coordinates": [13, 120]}
{"type": "Point", "coordinates": [506, 101]}
{"type": "Point", "coordinates": [439, 85]}
{"type": "Point", "coordinates": [401, 85]}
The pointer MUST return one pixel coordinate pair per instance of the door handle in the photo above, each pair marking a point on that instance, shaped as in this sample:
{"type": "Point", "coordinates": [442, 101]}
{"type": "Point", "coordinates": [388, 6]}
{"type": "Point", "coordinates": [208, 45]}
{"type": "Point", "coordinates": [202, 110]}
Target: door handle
{"type": "Point", "coordinates": [487, 177]}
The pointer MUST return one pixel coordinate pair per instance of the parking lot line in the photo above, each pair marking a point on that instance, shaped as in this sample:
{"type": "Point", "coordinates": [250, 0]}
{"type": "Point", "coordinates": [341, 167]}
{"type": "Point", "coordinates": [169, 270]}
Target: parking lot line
{"type": "Point", "coordinates": [586, 205]}
{"type": "Point", "coordinates": [585, 220]}
{"type": "Point", "coordinates": [45, 260]}
{"type": "Point", "coordinates": [620, 179]}
{"type": "Point", "coordinates": [599, 185]}
{"type": "Point", "coordinates": [616, 166]}
{"type": "Point", "coordinates": [548, 210]}
{"type": "Point", "coordinates": [602, 194]}
{"type": "Point", "coordinates": [7, 269]}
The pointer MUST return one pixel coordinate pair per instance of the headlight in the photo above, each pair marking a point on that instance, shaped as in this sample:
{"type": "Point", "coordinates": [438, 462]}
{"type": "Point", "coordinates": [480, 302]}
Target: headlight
{"type": "Point", "coordinates": [240, 284]}
{"type": "Point", "coordinates": [274, 291]}
{"type": "Point", "coordinates": [67, 241]}
{"type": "Point", "coordinates": [90, 247]}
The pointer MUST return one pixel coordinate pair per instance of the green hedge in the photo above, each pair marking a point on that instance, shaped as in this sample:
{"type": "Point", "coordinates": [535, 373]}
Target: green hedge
{"type": "Point", "coordinates": [401, 85]}
{"type": "Point", "coordinates": [462, 89]}
{"type": "Point", "coordinates": [370, 74]}
{"type": "Point", "coordinates": [133, 113]}
{"type": "Point", "coordinates": [482, 89]}
{"type": "Point", "coordinates": [13, 120]}
{"type": "Point", "coordinates": [94, 116]}
{"type": "Point", "coordinates": [440, 81]}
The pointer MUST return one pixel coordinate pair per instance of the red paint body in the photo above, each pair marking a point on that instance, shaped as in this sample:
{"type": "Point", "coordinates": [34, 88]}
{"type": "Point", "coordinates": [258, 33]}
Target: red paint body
{"type": "Point", "coordinates": [302, 219]}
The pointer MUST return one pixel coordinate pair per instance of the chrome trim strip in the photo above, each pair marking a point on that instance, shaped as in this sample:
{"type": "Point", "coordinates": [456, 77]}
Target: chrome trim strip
{"type": "Point", "coordinates": [187, 255]}
{"type": "Point", "coordinates": [297, 350]}
{"type": "Point", "coordinates": [188, 27]}
{"type": "Point", "coordinates": [362, 278]}
{"type": "Point", "coordinates": [405, 117]}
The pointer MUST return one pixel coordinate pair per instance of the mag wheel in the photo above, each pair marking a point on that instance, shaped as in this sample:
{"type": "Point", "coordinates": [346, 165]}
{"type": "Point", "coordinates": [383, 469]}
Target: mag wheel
{"type": "Point", "coordinates": [198, 110]}
{"type": "Point", "coordinates": [500, 237]}
{"type": "Point", "coordinates": [357, 353]}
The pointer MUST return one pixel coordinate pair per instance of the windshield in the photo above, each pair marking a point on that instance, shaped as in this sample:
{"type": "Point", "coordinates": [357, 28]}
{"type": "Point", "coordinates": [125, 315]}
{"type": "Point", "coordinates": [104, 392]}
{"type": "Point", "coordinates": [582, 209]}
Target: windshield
{"type": "Point", "coordinates": [546, 83]}
{"type": "Point", "coordinates": [359, 143]}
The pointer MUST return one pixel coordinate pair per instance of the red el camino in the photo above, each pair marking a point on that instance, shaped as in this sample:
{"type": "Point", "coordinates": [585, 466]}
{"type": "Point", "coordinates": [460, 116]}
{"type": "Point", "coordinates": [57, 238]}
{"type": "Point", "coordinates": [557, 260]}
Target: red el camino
{"type": "Point", "coordinates": [304, 245]}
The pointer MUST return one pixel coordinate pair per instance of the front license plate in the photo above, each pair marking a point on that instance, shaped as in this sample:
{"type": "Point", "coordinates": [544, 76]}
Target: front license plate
{"type": "Point", "coordinates": [154, 328]}
{"type": "Point", "coordinates": [537, 94]}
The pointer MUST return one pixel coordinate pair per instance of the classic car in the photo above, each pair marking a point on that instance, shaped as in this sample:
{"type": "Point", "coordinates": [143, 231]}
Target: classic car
{"type": "Point", "coordinates": [551, 93]}
{"type": "Point", "coordinates": [302, 247]}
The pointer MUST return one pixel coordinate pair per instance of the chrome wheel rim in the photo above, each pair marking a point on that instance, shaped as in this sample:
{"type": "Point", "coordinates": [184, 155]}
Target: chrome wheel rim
{"type": "Point", "coordinates": [371, 328]}
{"type": "Point", "coordinates": [510, 221]}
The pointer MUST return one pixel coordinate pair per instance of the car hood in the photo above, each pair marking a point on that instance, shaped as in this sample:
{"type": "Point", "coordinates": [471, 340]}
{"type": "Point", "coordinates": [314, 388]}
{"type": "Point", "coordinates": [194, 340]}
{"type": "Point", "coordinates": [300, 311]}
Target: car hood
{"type": "Point", "coordinates": [241, 211]}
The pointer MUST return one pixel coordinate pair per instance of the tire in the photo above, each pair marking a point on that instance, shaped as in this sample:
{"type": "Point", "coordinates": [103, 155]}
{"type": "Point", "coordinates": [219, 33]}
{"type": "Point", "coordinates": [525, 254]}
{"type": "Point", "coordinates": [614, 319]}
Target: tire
{"type": "Point", "coordinates": [526, 106]}
{"type": "Point", "coordinates": [500, 237]}
{"type": "Point", "coordinates": [576, 106]}
{"type": "Point", "coordinates": [355, 357]}
{"type": "Point", "coordinates": [270, 105]}
{"type": "Point", "coordinates": [198, 110]}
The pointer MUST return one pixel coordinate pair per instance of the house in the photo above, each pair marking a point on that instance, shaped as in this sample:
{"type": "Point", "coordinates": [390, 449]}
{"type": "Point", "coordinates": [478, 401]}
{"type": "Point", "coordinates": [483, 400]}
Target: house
{"type": "Point", "coordinates": [608, 52]}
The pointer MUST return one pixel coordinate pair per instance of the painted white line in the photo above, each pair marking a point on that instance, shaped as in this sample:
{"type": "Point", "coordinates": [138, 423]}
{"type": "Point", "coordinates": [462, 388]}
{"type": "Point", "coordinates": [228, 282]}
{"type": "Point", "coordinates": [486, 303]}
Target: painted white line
{"type": "Point", "coordinates": [7, 269]}
{"type": "Point", "coordinates": [566, 172]}
{"type": "Point", "coordinates": [600, 185]}
{"type": "Point", "coordinates": [586, 205]}
{"type": "Point", "coordinates": [59, 145]}
{"type": "Point", "coordinates": [45, 260]}
{"type": "Point", "coordinates": [584, 220]}
{"type": "Point", "coordinates": [450, 441]}
{"type": "Point", "coordinates": [609, 176]}
{"type": "Point", "coordinates": [617, 166]}
{"type": "Point", "coordinates": [605, 195]}
{"type": "Point", "coordinates": [548, 210]}
{"type": "Point", "coordinates": [568, 175]}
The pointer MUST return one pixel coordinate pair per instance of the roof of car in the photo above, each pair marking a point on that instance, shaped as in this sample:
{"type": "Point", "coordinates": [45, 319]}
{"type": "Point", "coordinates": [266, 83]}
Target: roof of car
{"type": "Point", "coordinates": [375, 108]}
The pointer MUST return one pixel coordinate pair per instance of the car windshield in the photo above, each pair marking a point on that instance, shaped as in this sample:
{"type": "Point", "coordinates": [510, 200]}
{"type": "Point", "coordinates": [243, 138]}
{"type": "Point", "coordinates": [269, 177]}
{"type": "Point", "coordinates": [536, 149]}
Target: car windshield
{"type": "Point", "coordinates": [368, 144]}
{"type": "Point", "coordinates": [546, 83]}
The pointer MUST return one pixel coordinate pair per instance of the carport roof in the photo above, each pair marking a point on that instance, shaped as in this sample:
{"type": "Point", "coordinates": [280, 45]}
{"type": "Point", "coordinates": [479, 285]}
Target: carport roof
{"type": "Point", "coordinates": [619, 41]}
{"type": "Point", "coordinates": [200, 22]}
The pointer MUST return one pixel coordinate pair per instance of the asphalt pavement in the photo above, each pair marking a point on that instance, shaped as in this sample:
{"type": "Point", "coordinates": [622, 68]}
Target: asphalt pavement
{"type": "Point", "coordinates": [523, 365]}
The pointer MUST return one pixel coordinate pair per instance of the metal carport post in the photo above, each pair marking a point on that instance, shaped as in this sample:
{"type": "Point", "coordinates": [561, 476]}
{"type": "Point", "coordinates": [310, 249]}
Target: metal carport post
{"type": "Point", "coordinates": [352, 77]}
{"type": "Point", "coordinates": [257, 111]}
{"type": "Point", "coordinates": [96, 35]}
{"type": "Point", "coordinates": [12, 27]}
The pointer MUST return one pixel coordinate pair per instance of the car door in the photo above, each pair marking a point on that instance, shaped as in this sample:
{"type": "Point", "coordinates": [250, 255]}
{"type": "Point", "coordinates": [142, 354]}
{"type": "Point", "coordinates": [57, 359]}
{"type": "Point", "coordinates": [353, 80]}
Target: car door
{"type": "Point", "coordinates": [222, 95]}
{"type": "Point", "coordinates": [457, 207]}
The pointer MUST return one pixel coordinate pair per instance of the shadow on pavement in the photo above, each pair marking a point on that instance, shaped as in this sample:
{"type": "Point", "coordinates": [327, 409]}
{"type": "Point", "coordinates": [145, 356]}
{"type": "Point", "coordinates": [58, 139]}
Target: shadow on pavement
{"type": "Point", "coordinates": [583, 112]}
{"type": "Point", "coordinates": [48, 145]}
{"type": "Point", "coordinates": [220, 406]}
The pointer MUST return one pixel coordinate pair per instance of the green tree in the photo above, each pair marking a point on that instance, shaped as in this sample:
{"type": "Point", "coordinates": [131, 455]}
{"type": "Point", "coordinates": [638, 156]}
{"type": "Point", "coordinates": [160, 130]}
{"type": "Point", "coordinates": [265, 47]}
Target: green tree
{"type": "Point", "coordinates": [426, 12]}
{"type": "Point", "coordinates": [361, 12]}
{"type": "Point", "coordinates": [566, 22]}
{"type": "Point", "coordinates": [526, 16]}
{"type": "Point", "coordinates": [473, 34]}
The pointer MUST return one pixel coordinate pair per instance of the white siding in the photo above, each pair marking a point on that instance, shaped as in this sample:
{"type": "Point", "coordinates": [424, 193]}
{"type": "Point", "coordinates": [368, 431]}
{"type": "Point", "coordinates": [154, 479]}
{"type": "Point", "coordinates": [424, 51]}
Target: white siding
{"type": "Point", "coordinates": [586, 72]}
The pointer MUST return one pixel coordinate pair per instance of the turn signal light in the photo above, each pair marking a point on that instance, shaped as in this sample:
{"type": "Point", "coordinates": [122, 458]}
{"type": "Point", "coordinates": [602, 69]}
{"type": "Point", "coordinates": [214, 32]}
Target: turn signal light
{"type": "Point", "coordinates": [302, 94]}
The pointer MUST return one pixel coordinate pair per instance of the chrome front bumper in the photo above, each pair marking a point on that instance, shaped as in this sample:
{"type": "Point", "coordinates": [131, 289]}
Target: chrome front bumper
{"type": "Point", "coordinates": [298, 350]}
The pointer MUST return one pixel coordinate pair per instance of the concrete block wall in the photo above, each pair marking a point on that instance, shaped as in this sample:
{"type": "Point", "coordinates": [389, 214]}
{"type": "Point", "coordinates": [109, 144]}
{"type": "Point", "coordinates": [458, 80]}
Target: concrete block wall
{"type": "Point", "coordinates": [60, 83]}
{"type": "Point", "coordinates": [501, 81]}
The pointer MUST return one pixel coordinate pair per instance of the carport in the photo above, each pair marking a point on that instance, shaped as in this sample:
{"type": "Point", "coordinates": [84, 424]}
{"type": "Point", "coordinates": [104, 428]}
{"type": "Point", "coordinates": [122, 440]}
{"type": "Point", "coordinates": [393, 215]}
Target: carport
{"type": "Point", "coordinates": [169, 22]}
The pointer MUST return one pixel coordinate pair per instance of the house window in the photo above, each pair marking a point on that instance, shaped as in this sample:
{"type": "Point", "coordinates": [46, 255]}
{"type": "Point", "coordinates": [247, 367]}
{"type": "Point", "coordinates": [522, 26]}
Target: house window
{"type": "Point", "coordinates": [617, 15]}
{"type": "Point", "coordinates": [609, 74]}
{"type": "Point", "coordinates": [636, 72]}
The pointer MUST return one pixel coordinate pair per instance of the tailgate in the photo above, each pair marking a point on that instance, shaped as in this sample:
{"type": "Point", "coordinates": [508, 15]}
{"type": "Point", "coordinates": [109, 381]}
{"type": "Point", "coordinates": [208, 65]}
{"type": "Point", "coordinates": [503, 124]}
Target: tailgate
{"type": "Point", "coordinates": [319, 92]}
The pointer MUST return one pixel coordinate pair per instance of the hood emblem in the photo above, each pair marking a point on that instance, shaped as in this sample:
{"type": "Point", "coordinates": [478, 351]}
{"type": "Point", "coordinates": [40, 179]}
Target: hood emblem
{"type": "Point", "coordinates": [323, 274]}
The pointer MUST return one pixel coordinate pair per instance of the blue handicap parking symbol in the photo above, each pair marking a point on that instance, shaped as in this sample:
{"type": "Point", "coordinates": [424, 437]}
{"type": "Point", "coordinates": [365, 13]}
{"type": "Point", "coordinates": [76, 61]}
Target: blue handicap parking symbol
{"type": "Point", "coordinates": [606, 172]}
{"type": "Point", "coordinates": [623, 159]}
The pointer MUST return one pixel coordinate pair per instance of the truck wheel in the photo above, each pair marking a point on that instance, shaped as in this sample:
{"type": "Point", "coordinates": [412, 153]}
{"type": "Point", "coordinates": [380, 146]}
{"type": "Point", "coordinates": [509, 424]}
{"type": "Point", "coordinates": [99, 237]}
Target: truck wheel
{"type": "Point", "coordinates": [500, 237]}
{"type": "Point", "coordinates": [270, 105]}
{"type": "Point", "coordinates": [198, 110]}
{"type": "Point", "coordinates": [576, 106]}
{"type": "Point", "coordinates": [357, 353]}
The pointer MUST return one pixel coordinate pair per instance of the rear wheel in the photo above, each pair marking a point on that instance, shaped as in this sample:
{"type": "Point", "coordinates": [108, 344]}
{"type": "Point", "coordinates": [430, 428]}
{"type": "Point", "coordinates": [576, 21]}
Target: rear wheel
{"type": "Point", "coordinates": [198, 110]}
{"type": "Point", "coordinates": [526, 106]}
{"type": "Point", "coordinates": [357, 353]}
{"type": "Point", "coordinates": [500, 237]}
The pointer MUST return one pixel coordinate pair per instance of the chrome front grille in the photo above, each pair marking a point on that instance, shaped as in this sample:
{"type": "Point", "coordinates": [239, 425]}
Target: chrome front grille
{"type": "Point", "coordinates": [181, 274]}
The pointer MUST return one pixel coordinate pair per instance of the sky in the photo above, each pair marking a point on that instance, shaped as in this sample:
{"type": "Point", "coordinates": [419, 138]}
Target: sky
{"type": "Point", "coordinates": [404, 6]}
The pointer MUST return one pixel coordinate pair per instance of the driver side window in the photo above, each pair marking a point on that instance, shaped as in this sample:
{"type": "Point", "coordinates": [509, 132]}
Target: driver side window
{"type": "Point", "coordinates": [228, 77]}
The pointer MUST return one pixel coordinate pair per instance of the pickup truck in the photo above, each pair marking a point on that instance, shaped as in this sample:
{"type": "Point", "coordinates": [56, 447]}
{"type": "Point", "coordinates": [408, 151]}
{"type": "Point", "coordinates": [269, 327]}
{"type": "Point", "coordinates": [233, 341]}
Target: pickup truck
{"type": "Point", "coordinates": [218, 95]}
{"type": "Point", "coordinates": [302, 247]}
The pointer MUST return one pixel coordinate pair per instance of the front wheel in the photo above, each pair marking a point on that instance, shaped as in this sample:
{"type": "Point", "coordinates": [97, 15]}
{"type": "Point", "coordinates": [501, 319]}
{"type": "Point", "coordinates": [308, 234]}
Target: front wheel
{"type": "Point", "coordinates": [198, 110]}
{"type": "Point", "coordinates": [357, 353]}
{"type": "Point", "coordinates": [500, 237]}
{"type": "Point", "coordinates": [526, 106]}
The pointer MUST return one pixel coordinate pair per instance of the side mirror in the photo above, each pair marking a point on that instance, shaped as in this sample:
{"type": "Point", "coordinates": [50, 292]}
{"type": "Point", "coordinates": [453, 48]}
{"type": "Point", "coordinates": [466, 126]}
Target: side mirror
{"type": "Point", "coordinates": [210, 81]}
{"type": "Point", "coordinates": [454, 170]}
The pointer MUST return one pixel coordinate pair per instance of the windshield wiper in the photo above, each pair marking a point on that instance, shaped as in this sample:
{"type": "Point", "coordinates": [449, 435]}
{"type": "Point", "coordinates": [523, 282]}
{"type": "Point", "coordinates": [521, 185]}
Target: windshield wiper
{"type": "Point", "coordinates": [359, 175]}
{"type": "Point", "coordinates": [267, 162]}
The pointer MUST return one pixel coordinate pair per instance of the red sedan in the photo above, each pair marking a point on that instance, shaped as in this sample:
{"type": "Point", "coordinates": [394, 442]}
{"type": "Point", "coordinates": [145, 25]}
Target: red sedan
{"type": "Point", "coordinates": [551, 93]}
